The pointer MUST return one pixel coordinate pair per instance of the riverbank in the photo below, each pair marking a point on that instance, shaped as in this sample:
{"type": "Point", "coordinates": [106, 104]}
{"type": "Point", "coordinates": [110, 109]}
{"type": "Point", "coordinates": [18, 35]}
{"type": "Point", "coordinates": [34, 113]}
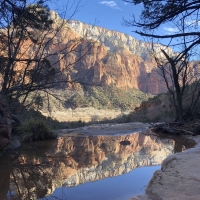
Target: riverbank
{"type": "Point", "coordinates": [88, 114]}
{"type": "Point", "coordinates": [178, 179]}
{"type": "Point", "coordinates": [106, 129]}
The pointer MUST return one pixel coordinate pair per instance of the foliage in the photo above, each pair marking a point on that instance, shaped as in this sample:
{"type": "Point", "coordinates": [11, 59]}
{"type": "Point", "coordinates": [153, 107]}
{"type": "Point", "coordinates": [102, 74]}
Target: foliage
{"type": "Point", "coordinates": [37, 115]}
{"type": "Point", "coordinates": [152, 101]}
{"type": "Point", "coordinates": [108, 97]}
{"type": "Point", "coordinates": [34, 130]}
{"type": "Point", "coordinates": [20, 22]}
{"type": "Point", "coordinates": [155, 109]}
{"type": "Point", "coordinates": [177, 75]}
{"type": "Point", "coordinates": [76, 124]}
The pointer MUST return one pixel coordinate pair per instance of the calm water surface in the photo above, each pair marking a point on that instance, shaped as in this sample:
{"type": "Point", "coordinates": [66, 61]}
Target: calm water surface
{"type": "Point", "coordinates": [85, 167]}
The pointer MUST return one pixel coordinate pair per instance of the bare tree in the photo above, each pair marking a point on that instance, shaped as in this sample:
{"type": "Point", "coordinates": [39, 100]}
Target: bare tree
{"type": "Point", "coordinates": [32, 46]}
{"type": "Point", "coordinates": [180, 70]}
{"type": "Point", "coordinates": [178, 76]}
{"type": "Point", "coordinates": [169, 13]}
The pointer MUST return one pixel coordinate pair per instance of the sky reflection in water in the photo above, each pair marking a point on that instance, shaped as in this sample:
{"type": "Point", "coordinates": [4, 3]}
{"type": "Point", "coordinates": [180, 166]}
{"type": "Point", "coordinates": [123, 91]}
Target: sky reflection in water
{"type": "Point", "coordinates": [120, 187]}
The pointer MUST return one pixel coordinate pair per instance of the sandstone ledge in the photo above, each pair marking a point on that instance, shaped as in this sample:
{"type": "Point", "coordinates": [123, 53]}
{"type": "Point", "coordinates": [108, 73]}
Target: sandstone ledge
{"type": "Point", "coordinates": [178, 179]}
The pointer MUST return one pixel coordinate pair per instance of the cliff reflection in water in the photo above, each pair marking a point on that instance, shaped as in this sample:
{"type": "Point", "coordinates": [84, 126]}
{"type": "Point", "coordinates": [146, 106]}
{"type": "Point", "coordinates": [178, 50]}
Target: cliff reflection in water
{"type": "Point", "coordinates": [40, 167]}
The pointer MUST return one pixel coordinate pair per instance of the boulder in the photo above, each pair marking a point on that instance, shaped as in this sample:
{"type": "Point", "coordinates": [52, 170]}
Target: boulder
{"type": "Point", "coordinates": [5, 123]}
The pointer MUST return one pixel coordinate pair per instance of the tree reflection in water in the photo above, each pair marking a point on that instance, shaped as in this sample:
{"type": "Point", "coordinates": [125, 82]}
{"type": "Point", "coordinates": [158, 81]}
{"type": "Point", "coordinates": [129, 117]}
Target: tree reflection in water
{"type": "Point", "coordinates": [28, 180]}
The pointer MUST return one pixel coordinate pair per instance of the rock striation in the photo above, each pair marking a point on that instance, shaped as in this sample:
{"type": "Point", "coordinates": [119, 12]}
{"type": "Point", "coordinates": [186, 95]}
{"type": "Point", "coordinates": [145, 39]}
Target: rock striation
{"type": "Point", "coordinates": [116, 41]}
{"type": "Point", "coordinates": [123, 61]}
{"type": "Point", "coordinates": [104, 57]}
{"type": "Point", "coordinates": [118, 59]}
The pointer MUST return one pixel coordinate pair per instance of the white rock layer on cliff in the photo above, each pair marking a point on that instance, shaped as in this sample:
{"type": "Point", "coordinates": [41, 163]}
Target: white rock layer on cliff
{"type": "Point", "coordinates": [115, 40]}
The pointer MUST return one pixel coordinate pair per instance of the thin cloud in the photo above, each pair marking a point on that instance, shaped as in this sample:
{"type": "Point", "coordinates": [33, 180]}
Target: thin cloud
{"type": "Point", "coordinates": [111, 4]}
{"type": "Point", "coordinates": [172, 30]}
{"type": "Point", "coordinates": [192, 22]}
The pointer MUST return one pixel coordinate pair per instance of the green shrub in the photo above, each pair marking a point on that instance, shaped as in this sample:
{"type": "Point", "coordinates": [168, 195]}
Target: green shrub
{"type": "Point", "coordinates": [169, 113]}
{"type": "Point", "coordinates": [34, 130]}
{"type": "Point", "coordinates": [107, 97]}
{"type": "Point", "coordinates": [76, 124]}
{"type": "Point", "coordinates": [33, 114]}
{"type": "Point", "coordinates": [157, 118]}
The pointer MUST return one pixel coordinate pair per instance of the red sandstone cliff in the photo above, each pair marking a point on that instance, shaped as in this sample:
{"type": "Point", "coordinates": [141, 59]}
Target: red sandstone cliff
{"type": "Point", "coordinates": [97, 56]}
{"type": "Point", "coordinates": [102, 67]}
{"type": "Point", "coordinates": [104, 57]}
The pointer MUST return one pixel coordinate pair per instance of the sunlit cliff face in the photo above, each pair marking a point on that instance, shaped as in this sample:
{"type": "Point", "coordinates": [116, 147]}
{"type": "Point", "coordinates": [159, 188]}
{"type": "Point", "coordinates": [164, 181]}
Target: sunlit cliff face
{"type": "Point", "coordinates": [94, 55]}
{"type": "Point", "coordinates": [73, 160]}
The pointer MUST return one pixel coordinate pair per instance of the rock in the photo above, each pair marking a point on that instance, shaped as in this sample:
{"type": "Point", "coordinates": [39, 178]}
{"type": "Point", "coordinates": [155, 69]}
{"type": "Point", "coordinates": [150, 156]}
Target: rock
{"type": "Point", "coordinates": [123, 69]}
{"type": "Point", "coordinates": [102, 57]}
{"type": "Point", "coordinates": [106, 57]}
{"type": "Point", "coordinates": [5, 123]}
{"type": "Point", "coordinates": [178, 178]}
{"type": "Point", "coordinates": [115, 41]}
{"type": "Point", "coordinates": [124, 61]}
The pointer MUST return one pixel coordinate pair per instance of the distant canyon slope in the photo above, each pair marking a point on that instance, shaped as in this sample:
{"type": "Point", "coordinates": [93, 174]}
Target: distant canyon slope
{"type": "Point", "coordinates": [109, 57]}
{"type": "Point", "coordinates": [118, 59]}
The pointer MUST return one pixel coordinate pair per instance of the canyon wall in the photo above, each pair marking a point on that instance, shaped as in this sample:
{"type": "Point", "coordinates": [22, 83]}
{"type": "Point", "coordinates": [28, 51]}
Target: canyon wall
{"type": "Point", "coordinates": [118, 59]}
{"type": "Point", "coordinates": [122, 61]}
{"type": "Point", "coordinates": [105, 57]}
{"type": "Point", "coordinates": [115, 41]}
{"type": "Point", "coordinates": [93, 55]}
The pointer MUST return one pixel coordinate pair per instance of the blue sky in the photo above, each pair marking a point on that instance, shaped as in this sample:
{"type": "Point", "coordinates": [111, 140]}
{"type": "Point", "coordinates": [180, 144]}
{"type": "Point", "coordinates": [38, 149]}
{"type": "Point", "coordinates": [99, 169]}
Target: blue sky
{"type": "Point", "coordinates": [107, 14]}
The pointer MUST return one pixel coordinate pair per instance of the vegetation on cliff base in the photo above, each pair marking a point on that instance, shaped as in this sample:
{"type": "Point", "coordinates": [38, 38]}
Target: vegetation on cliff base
{"type": "Point", "coordinates": [35, 129]}
{"type": "Point", "coordinates": [107, 97]}
{"type": "Point", "coordinates": [34, 126]}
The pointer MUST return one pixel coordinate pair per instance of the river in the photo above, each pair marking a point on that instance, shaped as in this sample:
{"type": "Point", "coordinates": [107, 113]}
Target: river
{"type": "Point", "coordinates": [81, 166]}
